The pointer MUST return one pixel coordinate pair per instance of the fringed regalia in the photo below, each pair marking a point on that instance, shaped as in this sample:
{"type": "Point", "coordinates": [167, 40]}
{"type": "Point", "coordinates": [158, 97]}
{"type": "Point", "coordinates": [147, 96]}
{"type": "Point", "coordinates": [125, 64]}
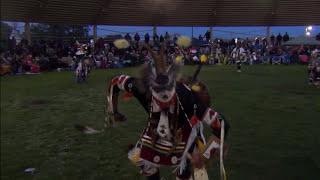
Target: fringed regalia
{"type": "Point", "coordinates": [176, 111]}
{"type": "Point", "coordinates": [82, 71]}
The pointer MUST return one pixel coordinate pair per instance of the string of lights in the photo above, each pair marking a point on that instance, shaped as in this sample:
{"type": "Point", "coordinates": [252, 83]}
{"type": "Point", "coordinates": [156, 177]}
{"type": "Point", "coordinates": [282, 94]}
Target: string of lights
{"type": "Point", "coordinates": [120, 32]}
{"type": "Point", "coordinates": [242, 33]}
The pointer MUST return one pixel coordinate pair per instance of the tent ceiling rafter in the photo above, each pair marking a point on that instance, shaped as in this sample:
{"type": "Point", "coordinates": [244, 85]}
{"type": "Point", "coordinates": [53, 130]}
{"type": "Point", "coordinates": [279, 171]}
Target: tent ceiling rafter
{"type": "Point", "coordinates": [164, 12]}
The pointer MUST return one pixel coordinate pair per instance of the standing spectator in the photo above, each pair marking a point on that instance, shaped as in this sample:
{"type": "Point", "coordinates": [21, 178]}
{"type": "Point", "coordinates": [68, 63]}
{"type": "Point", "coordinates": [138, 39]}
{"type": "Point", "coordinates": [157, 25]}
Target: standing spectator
{"type": "Point", "coordinates": [167, 36]}
{"type": "Point", "coordinates": [264, 42]}
{"type": "Point", "coordinates": [161, 39]}
{"type": "Point", "coordinates": [137, 37]}
{"type": "Point", "coordinates": [272, 38]}
{"type": "Point", "coordinates": [256, 44]}
{"type": "Point", "coordinates": [286, 37]}
{"type": "Point", "coordinates": [207, 35]}
{"type": "Point", "coordinates": [147, 38]}
{"type": "Point", "coordinates": [14, 42]}
{"type": "Point", "coordinates": [175, 39]}
{"type": "Point", "coordinates": [318, 37]}
{"type": "Point", "coordinates": [155, 37]}
{"type": "Point", "coordinates": [127, 37]}
{"type": "Point", "coordinates": [101, 43]}
{"type": "Point", "coordinates": [200, 37]}
{"type": "Point", "coordinates": [232, 42]}
{"type": "Point", "coordinates": [279, 38]}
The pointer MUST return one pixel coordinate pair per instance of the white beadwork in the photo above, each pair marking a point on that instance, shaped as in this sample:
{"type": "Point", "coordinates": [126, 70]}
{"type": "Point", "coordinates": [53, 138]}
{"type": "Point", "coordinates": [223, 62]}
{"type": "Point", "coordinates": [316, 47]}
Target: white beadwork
{"type": "Point", "coordinates": [174, 160]}
{"type": "Point", "coordinates": [156, 159]}
{"type": "Point", "coordinates": [138, 150]}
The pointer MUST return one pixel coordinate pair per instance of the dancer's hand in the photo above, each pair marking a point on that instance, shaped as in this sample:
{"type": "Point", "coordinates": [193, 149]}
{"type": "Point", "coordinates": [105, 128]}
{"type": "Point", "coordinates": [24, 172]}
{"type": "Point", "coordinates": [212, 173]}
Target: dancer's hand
{"type": "Point", "coordinates": [119, 117]}
{"type": "Point", "coordinates": [197, 159]}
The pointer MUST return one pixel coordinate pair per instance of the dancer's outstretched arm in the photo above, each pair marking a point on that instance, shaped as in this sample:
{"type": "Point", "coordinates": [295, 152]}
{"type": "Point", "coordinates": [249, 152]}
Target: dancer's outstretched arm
{"type": "Point", "coordinates": [133, 87]}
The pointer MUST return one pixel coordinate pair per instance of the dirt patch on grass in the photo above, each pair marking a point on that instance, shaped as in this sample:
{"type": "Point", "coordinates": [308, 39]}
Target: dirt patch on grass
{"type": "Point", "coordinates": [38, 103]}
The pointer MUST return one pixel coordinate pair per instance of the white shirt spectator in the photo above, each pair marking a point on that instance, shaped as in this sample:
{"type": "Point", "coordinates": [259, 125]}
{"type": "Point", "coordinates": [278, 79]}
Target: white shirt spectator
{"type": "Point", "coordinates": [207, 50]}
{"type": "Point", "coordinates": [218, 50]}
{"type": "Point", "coordinates": [195, 58]}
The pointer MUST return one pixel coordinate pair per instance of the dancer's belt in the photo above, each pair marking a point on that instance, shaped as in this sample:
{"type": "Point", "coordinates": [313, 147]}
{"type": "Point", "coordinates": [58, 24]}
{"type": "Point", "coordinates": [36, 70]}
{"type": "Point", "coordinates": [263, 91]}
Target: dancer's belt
{"type": "Point", "coordinates": [160, 152]}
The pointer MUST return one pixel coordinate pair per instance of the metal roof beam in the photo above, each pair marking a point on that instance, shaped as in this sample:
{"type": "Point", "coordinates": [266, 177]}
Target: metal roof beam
{"type": "Point", "coordinates": [274, 12]}
{"type": "Point", "coordinates": [104, 6]}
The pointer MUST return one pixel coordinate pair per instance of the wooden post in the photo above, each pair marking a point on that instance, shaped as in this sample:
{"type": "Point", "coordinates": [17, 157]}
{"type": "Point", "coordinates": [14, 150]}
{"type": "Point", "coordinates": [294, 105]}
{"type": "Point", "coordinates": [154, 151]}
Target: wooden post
{"type": "Point", "coordinates": [27, 32]}
{"type": "Point", "coordinates": [211, 34]}
{"type": "Point", "coordinates": [192, 32]}
{"type": "Point", "coordinates": [154, 30]}
{"type": "Point", "coordinates": [268, 34]}
{"type": "Point", "coordinates": [95, 34]}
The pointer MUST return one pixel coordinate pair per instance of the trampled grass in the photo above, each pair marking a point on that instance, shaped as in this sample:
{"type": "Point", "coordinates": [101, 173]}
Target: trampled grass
{"type": "Point", "coordinates": [273, 113]}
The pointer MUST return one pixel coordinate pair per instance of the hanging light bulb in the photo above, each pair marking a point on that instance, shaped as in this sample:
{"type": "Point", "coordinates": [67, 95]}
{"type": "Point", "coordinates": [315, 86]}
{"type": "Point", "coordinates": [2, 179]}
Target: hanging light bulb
{"type": "Point", "coordinates": [309, 28]}
{"type": "Point", "coordinates": [308, 33]}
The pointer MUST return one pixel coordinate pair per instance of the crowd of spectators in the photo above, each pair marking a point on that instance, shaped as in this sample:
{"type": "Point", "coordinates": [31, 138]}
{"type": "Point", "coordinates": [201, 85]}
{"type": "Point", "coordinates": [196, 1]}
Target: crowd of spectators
{"type": "Point", "coordinates": [58, 54]}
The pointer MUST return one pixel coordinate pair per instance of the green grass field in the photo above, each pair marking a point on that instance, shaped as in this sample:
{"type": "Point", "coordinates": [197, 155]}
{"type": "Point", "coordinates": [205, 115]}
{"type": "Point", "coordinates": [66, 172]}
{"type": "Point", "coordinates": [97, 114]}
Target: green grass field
{"type": "Point", "coordinates": [273, 113]}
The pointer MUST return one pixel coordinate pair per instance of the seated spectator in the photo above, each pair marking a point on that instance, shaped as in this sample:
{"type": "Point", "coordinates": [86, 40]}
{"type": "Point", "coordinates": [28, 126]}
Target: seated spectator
{"type": "Point", "coordinates": [67, 61]}
{"type": "Point", "coordinates": [195, 59]}
{"type": "Point", "coordinates": [211, 58]}
{"type": "Point", "coordinates": [55, 54]}
{"type": "Point", "coordinates": [255, 58]}
{"type": "Point", "coordinates": [167, 36]}
{"type": "Point", "coordinates": [44, 62]}
{"type": "Point", "coordinates": [30, 66]}
{"type": "Point", "coordinates": [5, 65]}
{"type": "Point", "coordinates": [15, 64]}
{"type": "Point", "coordinates": [111, 60]}
{"type": "Point", "coordinates": [97, 61]}
{"type": "Point", "coordinates": [303, 59]}
{"type": "Point", "coordinates": [5, 59]}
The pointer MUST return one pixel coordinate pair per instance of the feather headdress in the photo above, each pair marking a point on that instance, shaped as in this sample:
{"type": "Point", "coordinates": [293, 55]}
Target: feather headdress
{"type": "Point", "coordinates": [160, 64]}
{"type": "Point", "coordinates": [121, 44]}
{"type": "Point", "coordinates": [184, 41]}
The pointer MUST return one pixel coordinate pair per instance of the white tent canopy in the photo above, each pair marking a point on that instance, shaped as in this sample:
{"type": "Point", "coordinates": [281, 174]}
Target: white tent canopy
{"type": "Point", "coordinates": [302, 40]}
{"type": "Point", "coordinates": [16, 35]}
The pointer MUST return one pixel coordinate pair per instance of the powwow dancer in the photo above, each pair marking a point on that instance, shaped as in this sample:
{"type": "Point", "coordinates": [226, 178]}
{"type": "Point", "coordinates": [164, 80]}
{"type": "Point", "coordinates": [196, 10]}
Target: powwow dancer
{"type": "Point", "coordinates": [238, 55]}
{"type": "Point", "coordinates": [173, 135]}
{"type": "Point", "coordinates": [83, 68]}
{"type": "Point", "coordinates": [314, 75]}
{"type": "Point", "coordinates": [314, 70]}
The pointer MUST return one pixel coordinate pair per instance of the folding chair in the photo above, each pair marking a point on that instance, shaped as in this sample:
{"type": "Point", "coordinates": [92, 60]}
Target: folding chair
{"type": "Point", "coordinates": [304, 58]}
{"type": "Point", "coordinates": [118, 65]}
{"type": "Point", "coordinates": [286, 59]}
{"type": "Point", "coordinates": [246, 61]}
{"type": "Point", "coordinates": [264, 60]}
{"type": "Point", "coordinates": [98, 64]}
{"type": "Point", "coordinates": [126, 63]}
{"type": "Point", "coordinates": [276, 60]}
